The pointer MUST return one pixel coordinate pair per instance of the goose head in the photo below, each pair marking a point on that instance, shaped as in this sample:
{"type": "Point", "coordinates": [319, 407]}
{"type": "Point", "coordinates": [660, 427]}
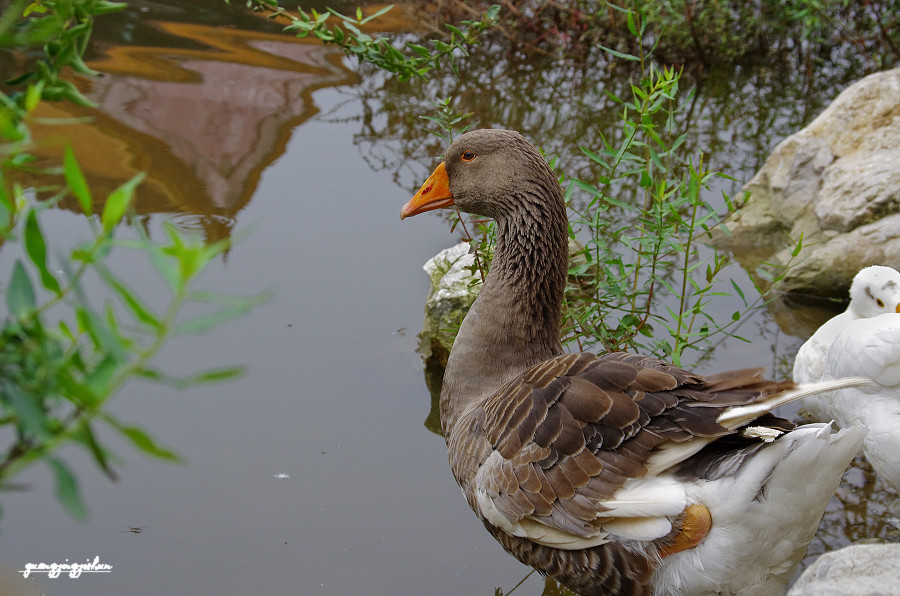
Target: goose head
{"type": "Point", "coordinates": [490, 172]}
{"type": "Point", "coordinates": [875, 290]}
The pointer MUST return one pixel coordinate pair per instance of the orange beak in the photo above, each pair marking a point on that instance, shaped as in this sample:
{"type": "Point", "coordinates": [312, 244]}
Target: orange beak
{"type": "Point", "coordinates": [434, 194]}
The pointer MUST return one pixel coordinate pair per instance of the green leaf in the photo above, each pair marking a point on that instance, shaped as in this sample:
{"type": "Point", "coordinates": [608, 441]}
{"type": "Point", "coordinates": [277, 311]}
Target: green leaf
{"type": "Point", "coordinates": [630, 22]}
{"type": "Point", "coordinates": [214, 375]}
{"type": "Point", "coordinates": [67, 490]}
{"type": "Point", "coordinates": [104, 6]}
{"type": "Point", "coordinates": [98, 330]}
{"type": "Point", "coordinates": [62, 89]}
{"type": "Point", "coordinates": [798, 247]}
{"type": "Point", "coordinates": [7, 209]}
{"type": "Point", "coordinates": [235, 308]}
{"type": "Point", "coordinates": [37, 251]}
{"type": "Point", "coordinates": [595, 157]}
{"type": "Point", "coordinates": [422, 51]}
{"type": "Point", "coordinates": [165, 266]}
{"type": "Point", "coordinates": [28, 410]}
{"type": "Point", "coordinates": [208, 376]}
{"type": "Point", "coordinates": [33, 96]}
{"type": "Point", "coordinates": [98, 381]}
{"type": "Point", "coordinates": [646, 181]}
{"type": "Point", "coordinates": [85, 436]}
{"type": "Point", "coordinates": [152, 374]}
{"type": "Point", "coordinates": [139, 310]}
{"type": "Point", "coordinates": [20, 298]}
{"type": "Point", "coordinates": [117, 203]}
{"type": "Point", "coordinates": [377, 14]}
{"type": "Point", "coordinates": [143, 441]}
{"type": "Point", "coordinates": [76, 181]}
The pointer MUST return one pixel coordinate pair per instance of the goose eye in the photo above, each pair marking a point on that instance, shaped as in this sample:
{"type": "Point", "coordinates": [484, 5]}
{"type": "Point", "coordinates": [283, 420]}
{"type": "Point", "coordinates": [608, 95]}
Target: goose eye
{"type": "Point", "coordinates": [468, 156]}
{"type": "Point", "coordinates": [880, 303]}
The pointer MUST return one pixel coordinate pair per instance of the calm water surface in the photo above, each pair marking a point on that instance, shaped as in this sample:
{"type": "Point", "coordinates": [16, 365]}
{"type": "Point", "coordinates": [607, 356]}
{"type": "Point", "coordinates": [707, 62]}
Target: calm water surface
{"type": "Point", "coordinates": [314, 473]}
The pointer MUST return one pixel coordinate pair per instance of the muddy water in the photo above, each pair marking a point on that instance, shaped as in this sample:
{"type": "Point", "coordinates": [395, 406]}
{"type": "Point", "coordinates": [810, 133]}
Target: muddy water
{"type": "Point", "coordinates": [314, 473]}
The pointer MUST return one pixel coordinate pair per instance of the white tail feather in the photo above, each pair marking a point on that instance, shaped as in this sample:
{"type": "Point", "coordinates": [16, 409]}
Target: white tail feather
{"type": "Point", "coordinates": [638, 528]}
{"type": "Point", "coordinates": [645, 497]}
{"type": "Point", "coordinates": [740, 415]}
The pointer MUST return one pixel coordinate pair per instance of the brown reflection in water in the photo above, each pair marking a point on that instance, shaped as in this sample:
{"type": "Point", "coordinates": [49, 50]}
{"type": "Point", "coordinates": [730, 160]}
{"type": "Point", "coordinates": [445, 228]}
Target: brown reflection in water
{"type": "Point", "coordinates": [202, 123]}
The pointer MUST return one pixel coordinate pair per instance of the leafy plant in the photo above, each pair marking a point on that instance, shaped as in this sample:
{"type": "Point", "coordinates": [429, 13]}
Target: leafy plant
{"type": "Point", "coordinates": [418, 60]}
{"type": "Point", "coordinates": [61, 29]}
{"type": "Point", "coordinates": [61, 366]}
{"type": "Point", "coordinates": [645, 224]}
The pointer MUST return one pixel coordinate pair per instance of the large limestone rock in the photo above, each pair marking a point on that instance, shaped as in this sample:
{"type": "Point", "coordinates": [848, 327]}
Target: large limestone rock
{"type": "Point", "coordinates": [857, 570]}
{"type": "Point", "coordinates": [836, 182]}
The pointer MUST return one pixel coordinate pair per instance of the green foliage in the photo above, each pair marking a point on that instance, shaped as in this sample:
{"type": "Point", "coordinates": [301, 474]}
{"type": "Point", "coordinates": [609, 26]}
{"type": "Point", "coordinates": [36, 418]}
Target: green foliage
{"type": "Point", "coordinates": [62, 358]}
{"type": "Point", "coordinates": [61, 29]}
{"type": "Point", "coordinates": [704, 35]}
{"type": "Point", "coordinates": [417, 61]}
{"type": "Point", "coordinates": [728, 30]}
{"type": "Point", "coordinates": [647, 264]}
{"type": "Point", "coordinates": [446, 120]}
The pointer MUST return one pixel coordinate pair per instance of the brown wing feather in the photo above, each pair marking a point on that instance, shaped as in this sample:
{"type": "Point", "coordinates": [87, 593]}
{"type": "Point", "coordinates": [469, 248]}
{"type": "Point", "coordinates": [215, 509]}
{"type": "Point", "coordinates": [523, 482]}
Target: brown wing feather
{"type": "Point", "coordinates": [608, 570]}
{"type": "Point", "coordinates": [574, 428]}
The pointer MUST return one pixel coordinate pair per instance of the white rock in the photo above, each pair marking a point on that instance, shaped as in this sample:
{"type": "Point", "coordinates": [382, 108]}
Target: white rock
{"type": "Point", "coordinates": [454, 286]}
{"type": "Point", "coordinates": [451, 273]}
{"type": "Point", "coordinates": [857, 570]}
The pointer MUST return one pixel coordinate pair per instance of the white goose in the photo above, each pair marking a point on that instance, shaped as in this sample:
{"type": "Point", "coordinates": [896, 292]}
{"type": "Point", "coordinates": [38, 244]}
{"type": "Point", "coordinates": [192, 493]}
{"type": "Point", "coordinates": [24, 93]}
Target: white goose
{"type": "Point", "coordinates": [864, 340]}
{"type": "Point", "coordinates": [616, 474]}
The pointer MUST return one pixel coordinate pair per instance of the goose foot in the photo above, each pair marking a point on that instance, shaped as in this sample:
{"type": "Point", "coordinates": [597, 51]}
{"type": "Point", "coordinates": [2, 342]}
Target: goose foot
{"type": "Point", "coordinates": [696, 526]}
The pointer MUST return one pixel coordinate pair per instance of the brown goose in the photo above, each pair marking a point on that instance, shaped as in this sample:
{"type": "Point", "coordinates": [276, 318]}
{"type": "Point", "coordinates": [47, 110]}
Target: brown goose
{"type": "Point", "coordinates": [615, 474]}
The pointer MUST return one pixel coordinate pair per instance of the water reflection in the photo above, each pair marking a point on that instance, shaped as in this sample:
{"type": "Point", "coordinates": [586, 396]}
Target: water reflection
{"type": "Point", "coordinates": [551, 587]}
{"type": "Point", "coordinates": [735, 119]}
{"type": "Point", "coordinates": [200, 107]}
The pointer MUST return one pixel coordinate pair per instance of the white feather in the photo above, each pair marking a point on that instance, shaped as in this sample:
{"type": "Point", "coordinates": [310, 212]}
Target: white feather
{"type": "Point", "coordinates": [548, 536]}
{"type": "Point", "coordinates": [646, 497]}
{"type": "Point", "coordinates": [669, 454]}
{"type": "Point", "coordinates": [638, 528]}
{"type": "Point", "coordinates": [740, 415]}
{"type": "Point", "coordinates": [762, 432]}
{"type": "Point", "coordinates": [870, 348]}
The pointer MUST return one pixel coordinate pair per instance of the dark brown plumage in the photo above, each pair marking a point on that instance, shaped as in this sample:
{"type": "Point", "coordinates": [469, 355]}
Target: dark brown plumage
{"type": "Point", "coordinates": [541, 441]}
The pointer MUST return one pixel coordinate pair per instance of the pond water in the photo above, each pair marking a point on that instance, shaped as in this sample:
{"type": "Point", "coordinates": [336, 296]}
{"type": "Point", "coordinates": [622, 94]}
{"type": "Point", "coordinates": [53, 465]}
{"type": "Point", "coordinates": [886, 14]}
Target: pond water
{"type": "Point", "coordinates": [314, 473]}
